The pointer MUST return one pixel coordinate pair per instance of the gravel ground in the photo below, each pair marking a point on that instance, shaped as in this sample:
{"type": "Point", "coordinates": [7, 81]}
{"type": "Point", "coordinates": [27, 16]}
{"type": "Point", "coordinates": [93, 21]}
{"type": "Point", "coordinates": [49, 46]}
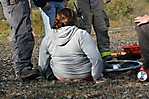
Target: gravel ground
{"type": "Point", "coordinates": [118, 85]}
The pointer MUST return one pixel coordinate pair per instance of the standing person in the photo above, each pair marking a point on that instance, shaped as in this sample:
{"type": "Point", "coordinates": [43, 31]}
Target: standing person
{"type": "Point", "coordinates": [49, 9]}
{"type": "Point", "coordinates": [93, 14]}
{"type": "Point", "coordinates": [17, 13]}
{"type": "Point", "coordinates": [69, 52]}
{"type": "Point", "coordinates": [143, 34]}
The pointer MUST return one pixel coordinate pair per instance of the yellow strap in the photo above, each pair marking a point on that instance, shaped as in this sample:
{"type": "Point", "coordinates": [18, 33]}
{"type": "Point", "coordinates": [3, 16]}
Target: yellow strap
{"type": "Point", "coordinates": [104, 54]}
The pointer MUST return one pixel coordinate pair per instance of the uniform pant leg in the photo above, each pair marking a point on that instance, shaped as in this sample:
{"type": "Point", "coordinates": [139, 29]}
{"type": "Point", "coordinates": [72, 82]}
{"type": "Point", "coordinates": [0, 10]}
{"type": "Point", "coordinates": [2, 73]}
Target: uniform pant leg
{"type": "Point", "coordinates": [100, 25]}
{"type": "Point", "coordinates": [143, 34]}
{"type": "Point", "coordinates": [18, 16]}
{"type": "Point", "coordinates": [86, 23]}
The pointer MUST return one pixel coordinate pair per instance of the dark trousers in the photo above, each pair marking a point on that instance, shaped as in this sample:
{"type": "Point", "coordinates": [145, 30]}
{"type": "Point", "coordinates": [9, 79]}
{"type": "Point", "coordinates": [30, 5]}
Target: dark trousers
{"type": "Point", "coordinates": [143, 33]}
{"type": "Point", "coordinates": [96, 17]}
{"type": "Point", "coordinates": [17, 13]}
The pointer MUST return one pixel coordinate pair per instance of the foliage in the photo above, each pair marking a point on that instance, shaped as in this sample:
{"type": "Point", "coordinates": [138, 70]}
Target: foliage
{"type": "Point", "coordinates": [123, 12]}
{"type": "Point", "coordinates": [38, 28]}
{"type": "Point", "coordinates": [71, 3]}
{"type": "Point", "coordinates": [120, 8]}
{"type": "Point", "coordinates": [4, 29]}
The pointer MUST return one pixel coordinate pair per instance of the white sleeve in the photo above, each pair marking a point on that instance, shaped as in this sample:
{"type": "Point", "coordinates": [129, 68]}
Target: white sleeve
{"type": "Point", "coordinates": [44, 55]}
{"type": "Point", "coordinates": [89, 47]}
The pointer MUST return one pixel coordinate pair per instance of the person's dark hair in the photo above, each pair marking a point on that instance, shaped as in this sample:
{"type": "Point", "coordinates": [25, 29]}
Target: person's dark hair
{"type": "Point", "coordinates": [65, 17]}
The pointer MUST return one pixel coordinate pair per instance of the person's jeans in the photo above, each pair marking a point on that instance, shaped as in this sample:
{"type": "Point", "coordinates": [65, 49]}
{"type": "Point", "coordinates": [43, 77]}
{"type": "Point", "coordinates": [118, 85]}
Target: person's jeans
{"type": "Point", "coordinates": [49, 13]}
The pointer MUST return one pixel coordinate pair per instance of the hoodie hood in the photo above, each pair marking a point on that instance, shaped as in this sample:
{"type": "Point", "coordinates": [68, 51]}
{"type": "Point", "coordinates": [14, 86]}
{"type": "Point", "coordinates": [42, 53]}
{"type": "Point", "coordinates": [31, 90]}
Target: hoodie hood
{"type": "Point", "coordinates": [65, 34]}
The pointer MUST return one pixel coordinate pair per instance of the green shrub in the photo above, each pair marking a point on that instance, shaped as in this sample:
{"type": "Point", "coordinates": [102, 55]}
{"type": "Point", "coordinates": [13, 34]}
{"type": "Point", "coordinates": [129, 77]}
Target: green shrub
{"type": "Point", "coordinates": [120, 8]}
{"type": "Point", "coordinates": [123, 12]}
{"type": "Point", "coordinates": [38, 26]}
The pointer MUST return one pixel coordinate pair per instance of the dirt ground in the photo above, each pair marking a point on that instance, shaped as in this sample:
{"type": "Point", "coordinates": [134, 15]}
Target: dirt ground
{"type": "Point", "coordinates": [118, 85]}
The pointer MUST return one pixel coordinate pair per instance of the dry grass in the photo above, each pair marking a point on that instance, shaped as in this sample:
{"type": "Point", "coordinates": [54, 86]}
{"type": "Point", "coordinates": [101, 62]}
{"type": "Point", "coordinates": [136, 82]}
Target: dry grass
{"type": "Point", "coordinates": [4, 29]}
{"type": "Point", "coordinates": [37, 23]}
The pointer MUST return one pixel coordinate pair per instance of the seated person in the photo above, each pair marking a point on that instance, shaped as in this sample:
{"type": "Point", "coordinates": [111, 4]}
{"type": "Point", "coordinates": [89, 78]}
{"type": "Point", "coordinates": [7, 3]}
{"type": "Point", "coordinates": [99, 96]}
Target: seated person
{"type": "Point", "coordinates": [70, 53]}
{"type": "Point", "coordinates": [143, 33]}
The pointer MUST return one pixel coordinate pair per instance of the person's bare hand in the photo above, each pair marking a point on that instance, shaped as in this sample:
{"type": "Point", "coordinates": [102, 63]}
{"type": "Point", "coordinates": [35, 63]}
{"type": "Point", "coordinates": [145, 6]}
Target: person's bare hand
{"type": "Point", "coordinates": [141, 20]}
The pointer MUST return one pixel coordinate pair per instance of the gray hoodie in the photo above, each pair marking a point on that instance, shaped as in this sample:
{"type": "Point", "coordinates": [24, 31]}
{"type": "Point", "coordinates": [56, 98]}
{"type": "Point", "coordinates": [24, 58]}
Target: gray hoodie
{"type": "Point", "coordinates": [73, 53]}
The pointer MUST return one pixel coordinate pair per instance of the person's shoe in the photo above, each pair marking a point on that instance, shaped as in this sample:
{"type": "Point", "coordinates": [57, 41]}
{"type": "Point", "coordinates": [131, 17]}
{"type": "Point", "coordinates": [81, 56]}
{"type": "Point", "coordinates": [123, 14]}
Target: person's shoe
{"type": "Point", "coordinates": [29, 74]}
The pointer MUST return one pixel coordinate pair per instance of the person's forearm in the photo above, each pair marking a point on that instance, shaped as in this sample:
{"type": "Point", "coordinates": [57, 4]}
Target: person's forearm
{"type": "Point", "coordinates": [97, 70]}
{"type": "Point", "coordinates": [90, 49]}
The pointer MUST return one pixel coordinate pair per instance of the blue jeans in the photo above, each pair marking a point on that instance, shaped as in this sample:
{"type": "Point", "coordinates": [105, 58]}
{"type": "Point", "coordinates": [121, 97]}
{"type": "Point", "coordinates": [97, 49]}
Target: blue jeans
{"type": "Point", "coordinates": [51, 12]}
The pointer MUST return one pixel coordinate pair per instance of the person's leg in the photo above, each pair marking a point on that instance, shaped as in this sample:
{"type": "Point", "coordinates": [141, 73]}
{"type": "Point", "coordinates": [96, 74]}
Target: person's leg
{"type": "Point", "coordinates": [101, 24]}
{"type": "Point", "coordinates": [51, 12]}
{"type": "Point", "coordinates": [18, 16]}
{"type": "Point", "coordinates": [143, 34]}
{"type": "Point", "coordinates": [59, 6]}
{"type": "Point", "coordinates": [86, 23]}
